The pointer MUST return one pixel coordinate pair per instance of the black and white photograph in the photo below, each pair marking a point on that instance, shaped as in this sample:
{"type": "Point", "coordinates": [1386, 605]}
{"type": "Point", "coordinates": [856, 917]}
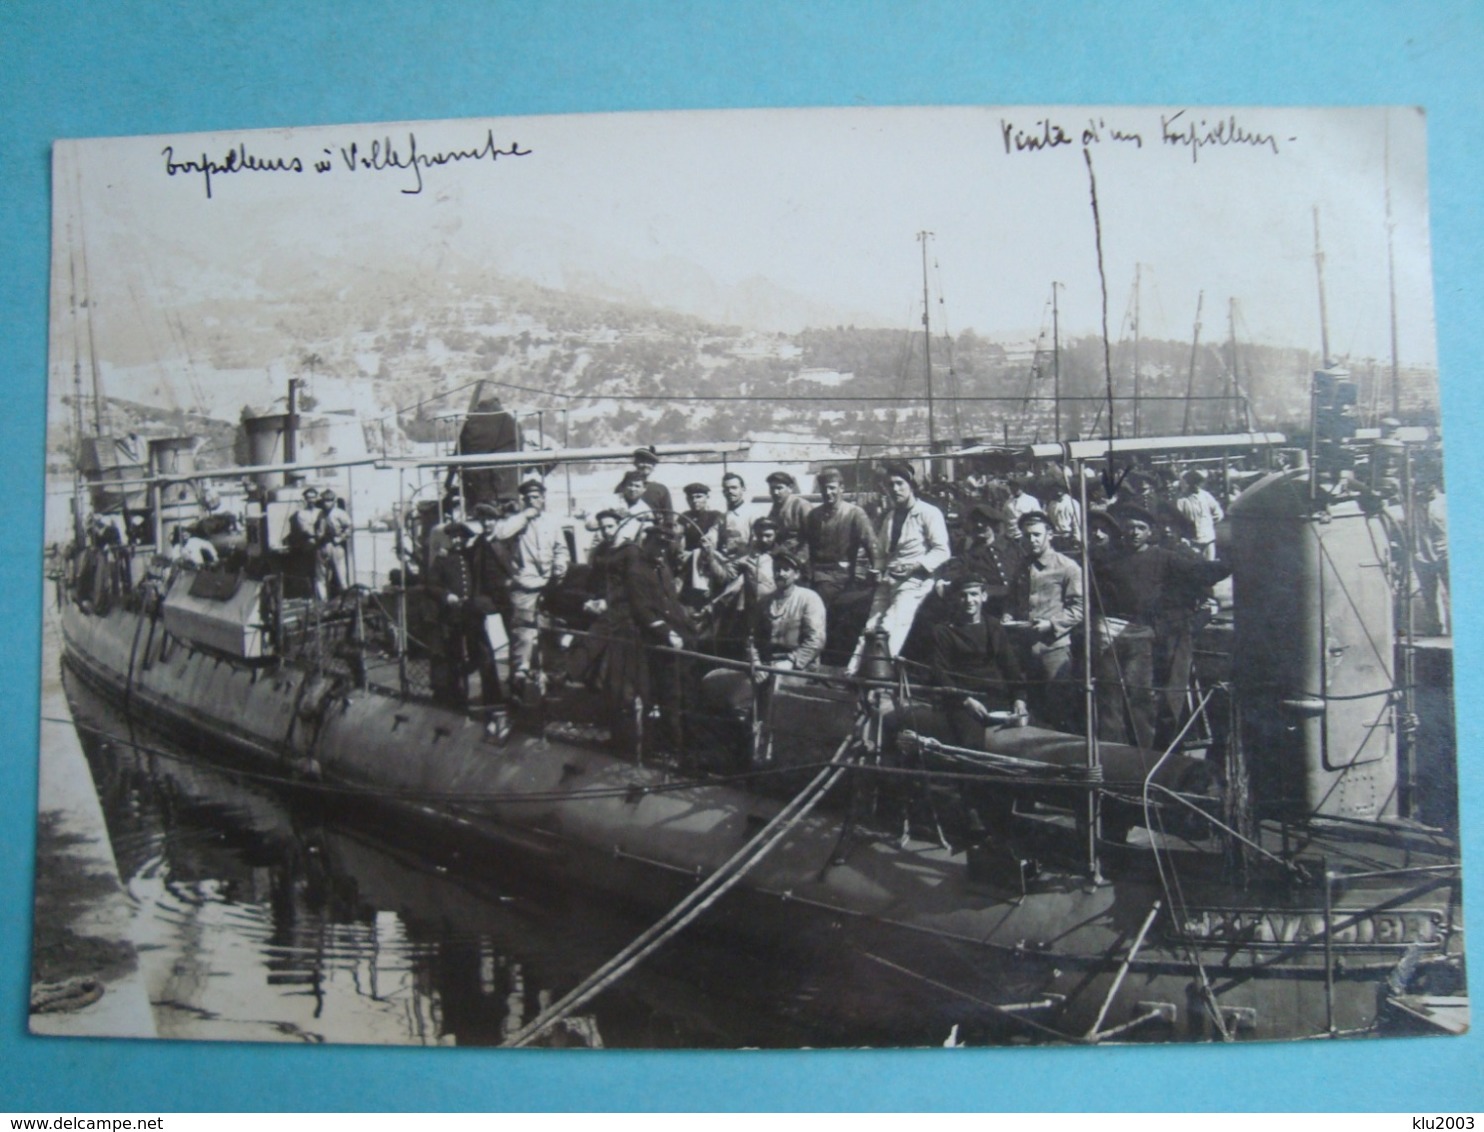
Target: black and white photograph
{"type": "Point", "coordinates": [874, 577]}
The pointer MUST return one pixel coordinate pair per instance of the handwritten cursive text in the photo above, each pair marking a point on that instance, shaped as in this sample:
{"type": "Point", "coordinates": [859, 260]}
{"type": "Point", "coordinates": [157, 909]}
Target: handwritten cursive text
{"type": "Point", "coordinates": [237, 160]}
{"type": "Point", "coordinates": [1179, 130]}
{"type": "Point", "coordinates": [383, 154]}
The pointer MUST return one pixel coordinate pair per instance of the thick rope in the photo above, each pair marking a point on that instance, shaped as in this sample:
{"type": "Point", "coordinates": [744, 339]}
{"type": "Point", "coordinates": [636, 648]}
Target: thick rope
{"type": "Point", "coordinates": [708, 893]}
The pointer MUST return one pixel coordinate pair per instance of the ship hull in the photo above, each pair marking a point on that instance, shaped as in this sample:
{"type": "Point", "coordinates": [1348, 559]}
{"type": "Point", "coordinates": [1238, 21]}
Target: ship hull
{"type": "Point", "coordinates": [1053, 957]}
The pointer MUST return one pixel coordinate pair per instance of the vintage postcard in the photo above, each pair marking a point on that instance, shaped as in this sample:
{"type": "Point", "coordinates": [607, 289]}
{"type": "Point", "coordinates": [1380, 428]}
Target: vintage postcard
{"type": "Point", "coordinates": [869, 577]}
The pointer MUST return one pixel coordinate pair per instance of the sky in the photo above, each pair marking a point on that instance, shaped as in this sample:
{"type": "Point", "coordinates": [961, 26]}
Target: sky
{"type": "Point", "coordinates": [826, 203]}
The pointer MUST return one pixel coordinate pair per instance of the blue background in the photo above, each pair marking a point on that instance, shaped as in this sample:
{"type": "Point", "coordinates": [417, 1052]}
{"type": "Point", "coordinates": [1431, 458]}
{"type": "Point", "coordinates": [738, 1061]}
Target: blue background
{"type": "Point", "coordinates": [83, 70]}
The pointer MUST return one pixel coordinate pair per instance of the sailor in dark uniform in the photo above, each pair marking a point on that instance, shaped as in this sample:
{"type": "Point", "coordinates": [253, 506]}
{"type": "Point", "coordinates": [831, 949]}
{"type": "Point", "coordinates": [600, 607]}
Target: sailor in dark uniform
{"type": "Point", "coordinates": [975, 664]}
{"type": "Point", "coordinates": [984, 555]}
{"type": "Point", "coordinates": [1129, 595]}
{"type": "Point", "coordinates": [657, 495]}
{"type": "Point", "coordinates": [700, 528]}
{"type": "Point", "coordinates": [789, 512]}
{"type": "Point", "coordinates": [452, 583]}
{"type": "Point", "coordinates": [662, 624]}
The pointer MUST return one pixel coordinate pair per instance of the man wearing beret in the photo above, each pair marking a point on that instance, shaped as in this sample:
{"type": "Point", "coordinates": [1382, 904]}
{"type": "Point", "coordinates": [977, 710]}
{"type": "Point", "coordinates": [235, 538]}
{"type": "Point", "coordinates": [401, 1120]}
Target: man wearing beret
{"type": "Point", "coordinates": [657, 495]}
{"type": "Point", "coordinates": [911, 543]}
{"type": "Point", "coordinates": [1137, 598]}
{"type": "Point", "coordinates": [638, 514]}
{"type": "Point", "coordinates": [790, 510]}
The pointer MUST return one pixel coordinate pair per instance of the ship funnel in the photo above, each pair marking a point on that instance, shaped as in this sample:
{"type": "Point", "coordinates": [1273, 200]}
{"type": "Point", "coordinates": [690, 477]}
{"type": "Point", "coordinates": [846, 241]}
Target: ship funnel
{"type": "Point", "coordinates": [173, 456]}
{"type": "Point", "coordinates": [1314, 652]}
{"type": "Point", "coordinates": [266, 439]}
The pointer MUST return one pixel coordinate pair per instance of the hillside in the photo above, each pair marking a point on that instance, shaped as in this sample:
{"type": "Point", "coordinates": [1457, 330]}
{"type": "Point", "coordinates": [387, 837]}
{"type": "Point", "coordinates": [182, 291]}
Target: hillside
{"type": "Point", "coordinates": [403, 353]}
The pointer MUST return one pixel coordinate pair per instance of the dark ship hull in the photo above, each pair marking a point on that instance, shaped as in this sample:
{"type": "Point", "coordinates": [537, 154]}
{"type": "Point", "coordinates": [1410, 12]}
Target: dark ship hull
{"type": "Point", "coordinates": [1175, 941]}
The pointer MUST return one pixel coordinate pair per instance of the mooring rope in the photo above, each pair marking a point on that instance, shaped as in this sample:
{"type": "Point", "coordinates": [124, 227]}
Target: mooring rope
{"type": "Point", "coordinates": [708, 893]}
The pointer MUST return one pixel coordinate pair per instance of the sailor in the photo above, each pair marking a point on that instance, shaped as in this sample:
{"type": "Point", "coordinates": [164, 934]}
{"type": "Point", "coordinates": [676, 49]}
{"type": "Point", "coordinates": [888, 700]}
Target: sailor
{"type": "Point", "coordinates": [538, 558]}
{"type": "Point", "coordinates": [737, 519]}
{"type": "Point", "coordinates": [986, 556]}
{"type": "Point", "coordinates": [788, 513]}
{"type": "Point", "coordinates": [464, 645]}
{"type": "Point", "coordinates": [451, 507]}
{"type": "Point", "coordinates": [838, 536]}
{"type": "Point", "coordinates": [975, 664]}
{"type": "Point", "coordinates": [608, 659]}
{"type": "Point", "coordinates": [911, 543]}
{"type": "Point", "coordinates": [788, 632]}
{"type": "Point", "coordinates": [790, 626]}
{"type": "Point", "coordinates": [663, 624]}
{"type": "Point", "coordinates": [638, 514]}
{"type": "Point", "coordinates": [302, 543]}
{"type": "Point", "coordinates": [1430, 558]}
{"type": "Point", "coordinates": [1046, 606]}
{"type": "Point", "coordinates": [1021, 502]}
{"type": "Point", "coordinates": [842, 552]}
{"type": "Point", "coordinates": [332, 535]}
{"type": "Point", "coordinates": [748, 580]}
{"type": "Point", "coordinates": [700, 531]}
{"type": "Point", "coordinates": [1065, 514]}
{"type": "Point", "coordinates": [1132, 592]}
{"type": "Point", "coordinates": [190, 550]}
{"type": "Point", "coordinates": [656, 495]}
{"type": "Point", "coordinates": [1200, 508]}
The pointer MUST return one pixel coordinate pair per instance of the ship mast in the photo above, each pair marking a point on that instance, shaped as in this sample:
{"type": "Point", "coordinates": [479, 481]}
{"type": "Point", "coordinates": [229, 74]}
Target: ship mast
{"type": "Point", "coordinates": [1323, 364]}
{"type": "Point", "coordinates": [1391, 275]}
{"type": "Point", "coordinates": [1195, 346]}
{"type": "Point", "coordinates": [1137, 269]}
{"type": "Point", "coordinates": [1323, 311]}
{"type": "Point", "coordinates": [1055, 362]}
{"type": "Point", "coordinates": [1236, 382]}
{"type": "Point", "coordinates": [927, 342]}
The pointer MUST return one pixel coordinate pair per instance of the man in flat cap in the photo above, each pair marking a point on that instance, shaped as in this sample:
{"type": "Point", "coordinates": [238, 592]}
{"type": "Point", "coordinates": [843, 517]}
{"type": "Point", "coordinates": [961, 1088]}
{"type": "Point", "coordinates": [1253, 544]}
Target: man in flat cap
{"type": "Point", "coordinates": [789, 511]}
{"type": "Point", "coordinates": [697, 568]}
{"type": "Point", "coordinates": [842, 552]}
{"type": "Point", "coordinates": [539, 558]}
{"type": "Point", "coordinates": [911, 543]}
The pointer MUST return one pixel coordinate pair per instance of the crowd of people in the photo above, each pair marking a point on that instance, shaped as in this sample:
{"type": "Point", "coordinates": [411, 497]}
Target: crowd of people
{"type": "Point", "coordinates": [977, 587]}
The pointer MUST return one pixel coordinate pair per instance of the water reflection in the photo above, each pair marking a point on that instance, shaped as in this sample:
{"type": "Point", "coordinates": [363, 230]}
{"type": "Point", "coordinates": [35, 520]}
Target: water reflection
{"type": "Point", "coordinates": [273, 917]}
